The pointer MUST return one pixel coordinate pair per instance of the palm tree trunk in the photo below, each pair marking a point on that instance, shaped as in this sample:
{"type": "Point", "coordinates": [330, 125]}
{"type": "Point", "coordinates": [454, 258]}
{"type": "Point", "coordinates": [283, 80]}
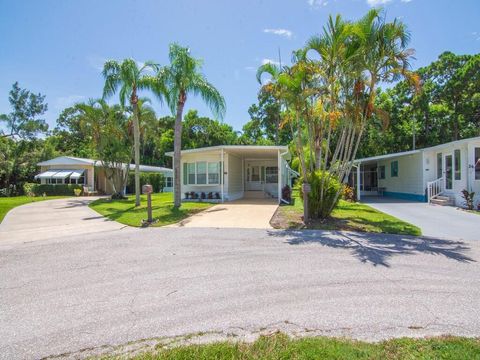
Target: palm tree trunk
{"type": "Point", "coordinates": [177, 149]}
{"type": "Point", "coordinates": [136, 141]}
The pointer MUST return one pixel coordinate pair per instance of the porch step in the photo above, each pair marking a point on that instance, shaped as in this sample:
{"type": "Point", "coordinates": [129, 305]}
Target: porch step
{"type": "Point", "coordinates": [443, 200]}
{"type": "Point", "coordinates": [254, 194]}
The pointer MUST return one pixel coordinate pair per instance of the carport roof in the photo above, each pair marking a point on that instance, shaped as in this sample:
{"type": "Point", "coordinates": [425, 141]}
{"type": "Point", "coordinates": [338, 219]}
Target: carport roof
{"type": "Point", "coordinates": [386, 156]}
{"type": "Point", "coordinates": [244, 149]}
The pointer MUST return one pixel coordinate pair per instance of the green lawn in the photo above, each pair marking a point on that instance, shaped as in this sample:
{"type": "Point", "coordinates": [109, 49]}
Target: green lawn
{"type": "Point", "coordinates": [347, 216]}
{"type": "Point", "coordinates": [125, 212]}
{"type": "Point", "coordinates": [8, 203]}
{"type": "Point", "coordinates": [280, 346]}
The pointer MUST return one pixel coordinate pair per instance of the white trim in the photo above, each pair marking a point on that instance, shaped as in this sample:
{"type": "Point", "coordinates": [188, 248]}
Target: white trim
{"type": "Point", "coordinates": [232, 147]}
{"type": "Point", "coordinates": [222, 172]}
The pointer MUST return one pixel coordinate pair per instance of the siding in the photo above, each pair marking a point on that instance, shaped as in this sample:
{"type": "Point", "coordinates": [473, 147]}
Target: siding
{"type": "Point", "coordinates": [410, 176]}
{"type": "Point", "coordinates": [189, 158]}
{"type": "Point", "coordinates": [234, 186]}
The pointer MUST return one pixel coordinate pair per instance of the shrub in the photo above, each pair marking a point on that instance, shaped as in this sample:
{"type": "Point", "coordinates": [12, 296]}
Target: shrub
{"type": "Point", "coordinates": [203, 196]}
{"type": "Point", "coordinates": [28, 189]}
{"type": "Point", "coordinates": [348, 193]}
{"type": "Point", "coordinates": [468, 196]}
{"type": "Point", "coordinates": [51, 189]}
{"type": "Point", "coordinates": [319, 208]}
{"type": "Point", "coordinates": [287, 193]}
{"type": "Point", "coordinates": [157, 180]}
{"type": "Point", "coordinates": [77, 192]}
{"type": "Point", "coordinates": [187, 195]}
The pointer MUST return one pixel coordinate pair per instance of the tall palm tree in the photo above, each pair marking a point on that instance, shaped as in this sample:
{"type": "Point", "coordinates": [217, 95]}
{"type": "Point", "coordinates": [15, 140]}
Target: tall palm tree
{"type": "Point", "coordinates": [182, 78]}
{"type": "Point", "coordinates": [128, 77]}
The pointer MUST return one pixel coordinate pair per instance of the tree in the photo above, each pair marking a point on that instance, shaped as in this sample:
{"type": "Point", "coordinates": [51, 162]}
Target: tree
{"type": "Point", "coordinates": [202, 131]}
{"type": "Point", "coordinates": [110, 131]}
{"type": "Point", "coordinates": [128, 78]}
{"type": "Point", "coordinates": [183, 78]}
{"type": "Point", "coordinates": [23, 121]}
{"type": "Point", "coordinates": [328, 102]}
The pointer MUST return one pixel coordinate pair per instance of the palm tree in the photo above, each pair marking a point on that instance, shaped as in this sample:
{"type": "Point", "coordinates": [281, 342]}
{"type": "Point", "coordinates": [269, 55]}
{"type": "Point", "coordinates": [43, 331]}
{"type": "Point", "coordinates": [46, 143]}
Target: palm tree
{"type": "Point", "coordinates": [182, 78]}
{"type": "Point", "coordinates": [128, 78]}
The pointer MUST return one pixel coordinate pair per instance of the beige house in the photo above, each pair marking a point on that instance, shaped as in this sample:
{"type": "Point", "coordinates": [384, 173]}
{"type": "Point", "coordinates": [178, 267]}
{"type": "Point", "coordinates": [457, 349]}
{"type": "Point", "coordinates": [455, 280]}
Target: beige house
{"type": "Point", "coordinates": [88, 172]}
{"type": "Point", "coordinates": [232, 172]}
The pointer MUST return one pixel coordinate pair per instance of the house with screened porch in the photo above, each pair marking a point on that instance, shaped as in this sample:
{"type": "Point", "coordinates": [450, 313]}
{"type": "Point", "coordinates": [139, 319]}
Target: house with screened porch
{"type": "Point", "coordinates": [437, 174]}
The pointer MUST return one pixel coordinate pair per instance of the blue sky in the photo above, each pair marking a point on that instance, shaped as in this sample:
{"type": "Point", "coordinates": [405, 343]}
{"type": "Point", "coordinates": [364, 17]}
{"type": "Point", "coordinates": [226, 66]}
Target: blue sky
{"type": "Point", "coordinates": [58, 47]}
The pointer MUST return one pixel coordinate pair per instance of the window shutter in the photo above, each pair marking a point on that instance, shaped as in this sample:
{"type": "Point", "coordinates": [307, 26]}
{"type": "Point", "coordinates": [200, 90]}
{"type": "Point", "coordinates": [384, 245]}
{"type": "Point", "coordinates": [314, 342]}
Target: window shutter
{"type": "Point", "coordinates": [185, 173]}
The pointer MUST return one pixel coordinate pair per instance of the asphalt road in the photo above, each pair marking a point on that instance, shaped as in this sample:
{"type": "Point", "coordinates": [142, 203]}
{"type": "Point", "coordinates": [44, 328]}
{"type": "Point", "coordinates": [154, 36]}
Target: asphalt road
{"type": "Point", "coordinates": [80, 295]}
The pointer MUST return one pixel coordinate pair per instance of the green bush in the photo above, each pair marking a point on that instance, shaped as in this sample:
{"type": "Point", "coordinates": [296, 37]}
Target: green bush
{"type": "Point", "coordinates": [321, 209]}
{"type": "Point", "coordinates": [28, 189]}
{"type": "Point", "coordinates": [157, 180]}
{"type": "Point", "coordinates": [50, 189]}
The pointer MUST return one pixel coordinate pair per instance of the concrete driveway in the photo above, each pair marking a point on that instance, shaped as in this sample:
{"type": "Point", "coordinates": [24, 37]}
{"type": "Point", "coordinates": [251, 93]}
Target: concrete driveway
{"type": "Point", "coordinates": [438, 221]}
{"type": "Point", "coordinates": [244, 213]}
{"type": "Point", "coordinates": [48, 219]}
{"type": "Point", "coordinates": [86, 294]}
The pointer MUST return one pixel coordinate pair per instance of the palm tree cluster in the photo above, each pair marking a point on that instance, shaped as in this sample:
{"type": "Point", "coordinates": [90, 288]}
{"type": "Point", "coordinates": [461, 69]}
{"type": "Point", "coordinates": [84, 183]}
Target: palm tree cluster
{"type": "Point", "coordinates": [171, 84]}
{"type": "Point", "coordinates": [328, 99]}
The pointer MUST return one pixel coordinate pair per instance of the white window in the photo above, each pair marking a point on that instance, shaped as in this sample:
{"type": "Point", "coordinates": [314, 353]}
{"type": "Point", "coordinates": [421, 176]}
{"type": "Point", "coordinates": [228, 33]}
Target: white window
{"type": "Point", "coordinates": [168, 181]}
{"type": "Point", "coordinates": [191, 173]}
{"type": "Point", "coordinates": [201, 173]}
{"type": "Point", "coordinates": [213, 172]}
{"type": "Point", "coordinates": [271, 174]}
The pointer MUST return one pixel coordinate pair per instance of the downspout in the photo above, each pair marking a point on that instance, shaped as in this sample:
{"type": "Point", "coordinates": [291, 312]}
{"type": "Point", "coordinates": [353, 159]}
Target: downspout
{"type": "Point", "coordinates": [280, 157]}
{"type": "Point", "coordinates": [222, 173]}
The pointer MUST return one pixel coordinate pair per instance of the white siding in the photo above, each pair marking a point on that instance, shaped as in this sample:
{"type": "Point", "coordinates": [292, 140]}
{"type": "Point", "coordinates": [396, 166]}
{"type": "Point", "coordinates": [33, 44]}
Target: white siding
{"type": "Point", "coordinates": [234, 186]}
{"type": "Point", "coordinates": [195, 157]}
{"type": "Point", "coordinates": [410, 175]}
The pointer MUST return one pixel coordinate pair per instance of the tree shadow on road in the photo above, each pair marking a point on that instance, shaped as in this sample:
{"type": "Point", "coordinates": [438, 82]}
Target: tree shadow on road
{"type": "Point", "coordinates": [377, 249]}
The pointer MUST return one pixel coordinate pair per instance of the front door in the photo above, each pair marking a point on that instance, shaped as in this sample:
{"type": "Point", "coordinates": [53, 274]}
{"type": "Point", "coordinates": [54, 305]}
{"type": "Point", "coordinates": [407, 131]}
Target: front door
{"type": "Point", "coordinates": [254, 178]}
{"type": "Point", "coordinates": [448, 172]}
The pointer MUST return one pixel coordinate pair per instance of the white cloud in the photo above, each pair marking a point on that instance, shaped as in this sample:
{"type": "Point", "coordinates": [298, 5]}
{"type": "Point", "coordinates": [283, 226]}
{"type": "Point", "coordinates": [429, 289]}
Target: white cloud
{"type": "Point", "coordinates": [377, 2]}
{"type": "Point", "coordinates": [317, 3]}
{"type": "Point", "coordinates": [66, 101]}
{"type": "Point", "coordinates": [281, 32]}
{"type": "Point", "coordinates": [270, 61]}
{"type": "Point", "coordinates": [406, 1]}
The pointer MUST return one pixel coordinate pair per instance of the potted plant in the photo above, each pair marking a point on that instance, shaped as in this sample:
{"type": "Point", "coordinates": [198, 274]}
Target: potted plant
{"type": "Point", "coordinates": [210, 195]}
{"type": "Point", "coordinates": [192, 195]}
{"type": "Point", "coordinates": [203, 196]}
{"type": "Point", "coordinates": [187, 195]}
{"type": "Point", "coordinates": [217, 195]}
{"type": "Point", "coordinates": [195, 195]}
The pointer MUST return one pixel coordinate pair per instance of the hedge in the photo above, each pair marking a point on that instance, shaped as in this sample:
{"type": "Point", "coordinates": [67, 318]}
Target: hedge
{"type": "Point", "coordinates": [157, 180]}
{"type": "Point", "coordinates": [50, 189]}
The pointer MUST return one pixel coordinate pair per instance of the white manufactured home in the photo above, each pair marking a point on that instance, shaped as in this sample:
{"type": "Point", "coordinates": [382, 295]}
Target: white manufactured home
{"type": "Point", "coordinates": [88, 172]}
{"type": "Point", "coordinates": [232, 172]}
{"type": "Point", "coordinates": [435, 174]}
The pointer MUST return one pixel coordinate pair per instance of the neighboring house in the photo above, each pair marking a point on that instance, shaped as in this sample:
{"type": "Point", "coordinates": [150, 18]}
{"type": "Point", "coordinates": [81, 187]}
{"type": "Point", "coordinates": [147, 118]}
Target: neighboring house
{"type": "Point", "coordinates": [88, 172]}
{"type": "Point", "coordinates": [435, 174]}
{"type": "Point", "coordinates": [249, 171]}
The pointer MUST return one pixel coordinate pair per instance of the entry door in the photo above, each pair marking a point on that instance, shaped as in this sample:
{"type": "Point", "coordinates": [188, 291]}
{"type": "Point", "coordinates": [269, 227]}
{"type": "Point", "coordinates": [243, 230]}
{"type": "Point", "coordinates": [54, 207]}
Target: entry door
{"type": "Point", "coordinates": [254, 178]}
{"type": "Point", "coordinates": [448, 172]}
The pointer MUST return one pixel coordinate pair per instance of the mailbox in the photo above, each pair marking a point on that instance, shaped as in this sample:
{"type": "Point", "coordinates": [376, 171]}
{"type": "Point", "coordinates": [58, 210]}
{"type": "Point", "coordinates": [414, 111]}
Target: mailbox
{"type": "Point", "coordinates": [306, 188]}
{"type": "Point", "coordinates": [147, 189]}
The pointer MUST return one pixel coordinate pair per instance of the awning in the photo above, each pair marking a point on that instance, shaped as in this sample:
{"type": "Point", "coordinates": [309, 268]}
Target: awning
{"type": "Point", "coordinates": [76, 174]}
{"type": "Point", "coordinates": [62, 174]}
{"type": "Point", "coordinates": [46, 174]}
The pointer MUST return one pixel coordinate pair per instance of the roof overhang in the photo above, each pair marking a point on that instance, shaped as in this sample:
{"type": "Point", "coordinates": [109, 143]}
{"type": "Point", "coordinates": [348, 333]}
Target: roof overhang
{"type": "Point", "coordinates": [386, 156]}
{"type": "Point", "coordinates": [246, 151]}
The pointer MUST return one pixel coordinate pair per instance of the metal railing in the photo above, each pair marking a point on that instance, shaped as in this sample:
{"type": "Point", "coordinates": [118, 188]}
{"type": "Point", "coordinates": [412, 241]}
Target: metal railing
{"type": "Point", "coordinates": [435, 188]}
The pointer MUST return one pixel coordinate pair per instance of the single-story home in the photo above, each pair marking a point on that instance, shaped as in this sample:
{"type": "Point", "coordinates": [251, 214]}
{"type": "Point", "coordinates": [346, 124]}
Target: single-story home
{"type": "Point", "coordinates": [89, 172]}
{"type": "Point", "coordinates": [234, 172]}
{"type": "Point", "coordinates": [439, 172]}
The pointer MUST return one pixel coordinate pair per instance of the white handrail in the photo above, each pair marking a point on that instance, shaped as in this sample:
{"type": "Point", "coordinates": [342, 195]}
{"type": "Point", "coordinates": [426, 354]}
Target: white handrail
{"type": "Point", "coordinates": [434, 188]}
